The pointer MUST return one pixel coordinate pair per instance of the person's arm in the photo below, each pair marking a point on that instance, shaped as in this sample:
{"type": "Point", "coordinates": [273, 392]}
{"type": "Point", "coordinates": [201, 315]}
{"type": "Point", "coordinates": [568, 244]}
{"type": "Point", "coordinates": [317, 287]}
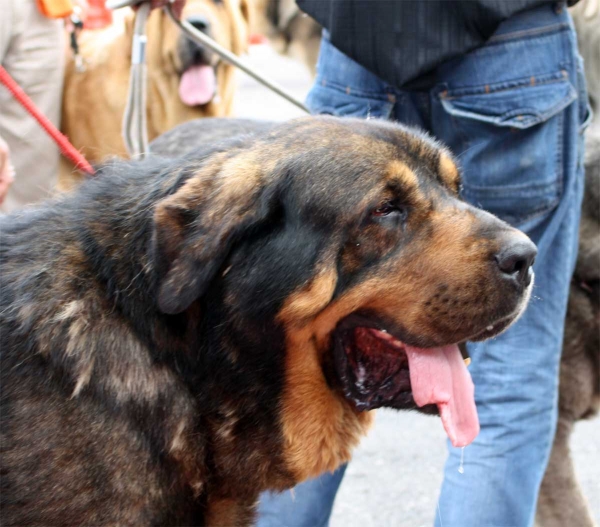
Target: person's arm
{"type": "Point", "coordinates": [7, 171]}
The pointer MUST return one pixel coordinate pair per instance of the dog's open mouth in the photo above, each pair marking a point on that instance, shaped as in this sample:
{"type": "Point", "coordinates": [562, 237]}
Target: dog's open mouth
{"type": "Point", "coordinates": [376, 369]}
{"type": "Point", "coordinates": [198, 84]}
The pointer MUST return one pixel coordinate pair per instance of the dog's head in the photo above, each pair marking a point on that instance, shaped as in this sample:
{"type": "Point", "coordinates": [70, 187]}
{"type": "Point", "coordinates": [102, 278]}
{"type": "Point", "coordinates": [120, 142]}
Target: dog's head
{"type": "Point", "coordinates": [347, 238]}
{"type": "Point", "coordinates": [200, 71]}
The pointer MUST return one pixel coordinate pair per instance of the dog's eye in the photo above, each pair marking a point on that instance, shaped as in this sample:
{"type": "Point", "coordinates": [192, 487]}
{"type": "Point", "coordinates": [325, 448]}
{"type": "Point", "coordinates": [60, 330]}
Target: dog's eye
{"type": "Point", "coordinates": [389, 208]}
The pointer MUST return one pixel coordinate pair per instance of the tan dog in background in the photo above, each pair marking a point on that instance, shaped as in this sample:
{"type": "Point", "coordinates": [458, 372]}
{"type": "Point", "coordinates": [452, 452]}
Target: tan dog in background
{"type": "Point", "coordinates": [185, 81]}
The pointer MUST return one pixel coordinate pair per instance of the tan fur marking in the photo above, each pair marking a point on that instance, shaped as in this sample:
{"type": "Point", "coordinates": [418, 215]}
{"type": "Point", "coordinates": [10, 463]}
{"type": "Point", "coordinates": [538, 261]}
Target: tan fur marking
{"type": "Point", "coordinates": [225, 431]}
{"type": "Point", "coordinates": [399, 171]}
{"type": "Point", "coordinates": [311, 299]}
{"type": "Point", "coordinates": [221, 182]}
{"type": "Point", "coordinates": [241, 173]}
{"type": "Point", "coordinates": [70, 310]}
{"type": "Point", "coordinates": [77, 338]}
{"type": "Point", "coordinates": [26, 311]}
{"type": "Point", "coordinates": [449, 172]}
{"type": "Point", "coordinates": [320, 428]}
{"type": "Point", "coordinates": [84, 378]}
{"type": "Point", "coordinates": [227, 512]}
{"type": "Point", "coordinates": [193, 191]}
{"type": "Point", "coordinates": [178, 442]}
{"type": "Point", "coordinates": [140, 382]}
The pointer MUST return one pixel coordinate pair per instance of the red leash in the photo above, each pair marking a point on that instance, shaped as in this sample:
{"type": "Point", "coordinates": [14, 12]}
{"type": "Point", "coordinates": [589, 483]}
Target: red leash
{"type": "Point", "coordinates": [60, 139]}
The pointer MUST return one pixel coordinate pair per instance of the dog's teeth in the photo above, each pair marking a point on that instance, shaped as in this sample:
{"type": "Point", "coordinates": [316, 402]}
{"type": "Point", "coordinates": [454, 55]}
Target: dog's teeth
{"type": "Point", "coordinates": [489, 328]}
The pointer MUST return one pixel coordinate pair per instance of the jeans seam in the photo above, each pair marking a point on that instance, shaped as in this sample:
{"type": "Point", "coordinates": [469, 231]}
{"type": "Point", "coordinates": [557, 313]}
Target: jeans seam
{"type": "Point", "coordinates": [528, 32]}
{"type": "Point", "coordinates": [559, 153]}
{"type": "Point", "coordinates": [522, 83]}
{"type": "Point", "coordinates": [492, 47]}
{"type": "Point", "coordinates": [348, 90]}
{"type": "Point", "coordinates": [499, 191]}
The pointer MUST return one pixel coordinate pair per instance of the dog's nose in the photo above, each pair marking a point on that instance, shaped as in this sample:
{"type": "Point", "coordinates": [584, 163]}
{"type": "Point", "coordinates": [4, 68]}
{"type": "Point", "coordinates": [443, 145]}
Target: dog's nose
{"type": "Point", "coordinates": [200, 22]}
{"type": "Point", "coordinates": [515, 261]}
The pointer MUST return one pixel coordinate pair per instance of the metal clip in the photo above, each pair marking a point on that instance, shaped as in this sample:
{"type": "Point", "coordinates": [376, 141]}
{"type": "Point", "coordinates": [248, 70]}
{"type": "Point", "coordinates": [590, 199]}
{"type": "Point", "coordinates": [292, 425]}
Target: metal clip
{"type": "Point", "coordinates": [77, 23]}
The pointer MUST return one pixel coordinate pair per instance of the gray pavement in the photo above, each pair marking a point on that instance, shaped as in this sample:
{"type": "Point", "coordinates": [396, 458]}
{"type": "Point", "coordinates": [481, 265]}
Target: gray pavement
{"type": "Point", "coordinates": [396, 472]}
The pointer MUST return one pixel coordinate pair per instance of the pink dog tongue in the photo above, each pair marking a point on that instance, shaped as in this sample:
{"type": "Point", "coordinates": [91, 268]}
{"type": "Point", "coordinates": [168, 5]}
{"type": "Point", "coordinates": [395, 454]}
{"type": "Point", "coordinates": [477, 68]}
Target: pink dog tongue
{"type": "Point", "coordinates": [439, 375]}
{"type": "Point", "coordinates": [197, 85]}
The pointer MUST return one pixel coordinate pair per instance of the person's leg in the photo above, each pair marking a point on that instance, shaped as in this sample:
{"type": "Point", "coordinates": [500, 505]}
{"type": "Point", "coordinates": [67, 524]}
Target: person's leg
{"type": "Point", "coordinates": [511, 114]}
{"type": "Point", "coordinates": [7, 26]}
{"type": "Point", "coordinates": [34, 56]}
{"type": "Point", "coordinates": [307, 505]}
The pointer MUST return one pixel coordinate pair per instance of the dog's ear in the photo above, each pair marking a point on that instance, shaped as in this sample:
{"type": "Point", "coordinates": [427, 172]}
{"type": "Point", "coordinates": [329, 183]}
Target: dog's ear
{"type": "Point", "coordinates": [248, 11]}
{"type": "Point", "coordinates": [241, 14]}
{"type": "Point", "coordinates": [128, 19]}
{"type": "Point", "coordinates": [195, 228]}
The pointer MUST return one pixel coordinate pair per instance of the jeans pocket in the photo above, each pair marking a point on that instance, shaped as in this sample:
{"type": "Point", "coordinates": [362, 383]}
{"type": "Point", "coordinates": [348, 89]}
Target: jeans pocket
{"type": "Point", "coordinates": [511, 141]}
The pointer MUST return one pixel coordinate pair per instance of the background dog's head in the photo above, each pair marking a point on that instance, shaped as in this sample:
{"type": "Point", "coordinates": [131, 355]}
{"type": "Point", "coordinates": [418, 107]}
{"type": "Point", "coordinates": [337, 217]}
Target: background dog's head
{"type": "Point", "coordinates": [200, 73]}
{"type": "Point", "coordinates": [340, 247]}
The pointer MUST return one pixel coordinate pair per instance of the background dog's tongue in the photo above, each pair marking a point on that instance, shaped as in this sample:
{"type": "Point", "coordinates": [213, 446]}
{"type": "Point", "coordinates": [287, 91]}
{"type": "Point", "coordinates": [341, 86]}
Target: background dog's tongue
{"type": "Point", "coordinates": [197, 85]}
{"type": "Point", "coordinates": [439, 376]}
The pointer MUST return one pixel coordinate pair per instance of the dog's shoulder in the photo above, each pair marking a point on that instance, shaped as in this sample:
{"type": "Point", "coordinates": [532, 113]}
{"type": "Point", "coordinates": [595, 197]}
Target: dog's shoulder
{"type": "Point", "coordinates": [63, 276]}
{"type": "Point", "coordinates": [73, 360]}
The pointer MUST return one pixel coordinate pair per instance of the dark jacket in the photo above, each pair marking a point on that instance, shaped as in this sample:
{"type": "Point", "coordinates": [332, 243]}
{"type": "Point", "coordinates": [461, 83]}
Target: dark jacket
{"type": "Point", "coordinates": [402, 41]}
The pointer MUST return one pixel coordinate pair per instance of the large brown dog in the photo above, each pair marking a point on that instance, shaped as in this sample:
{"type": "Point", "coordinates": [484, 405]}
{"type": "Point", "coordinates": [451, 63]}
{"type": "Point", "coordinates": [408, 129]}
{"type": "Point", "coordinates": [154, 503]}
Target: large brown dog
{"type": "Point", "coordinates": [185, 81]}
{"type": "Point", "coordinates": [178, 336]}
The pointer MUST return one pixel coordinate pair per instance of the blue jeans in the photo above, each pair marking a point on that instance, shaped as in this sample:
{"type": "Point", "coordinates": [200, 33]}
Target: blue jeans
{"type": "Point", "coordinates": [513, 112]}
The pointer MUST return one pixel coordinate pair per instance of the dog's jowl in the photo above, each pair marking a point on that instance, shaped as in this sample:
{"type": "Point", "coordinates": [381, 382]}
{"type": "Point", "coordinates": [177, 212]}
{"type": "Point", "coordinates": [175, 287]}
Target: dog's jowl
{"type": "Point", "coordinates": [179, 335]}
